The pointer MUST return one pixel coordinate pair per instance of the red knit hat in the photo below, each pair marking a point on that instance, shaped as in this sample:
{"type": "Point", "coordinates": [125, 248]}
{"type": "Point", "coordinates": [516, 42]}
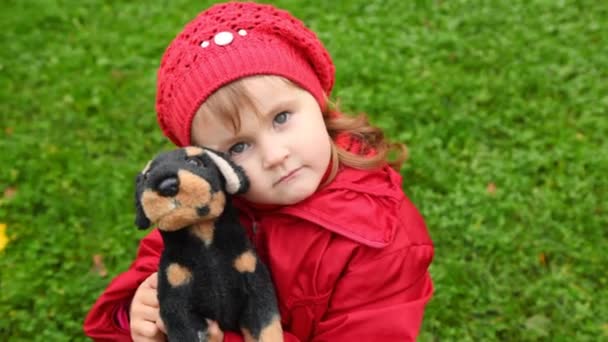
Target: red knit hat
{"type": "Point", "coordinates": [230, 41]}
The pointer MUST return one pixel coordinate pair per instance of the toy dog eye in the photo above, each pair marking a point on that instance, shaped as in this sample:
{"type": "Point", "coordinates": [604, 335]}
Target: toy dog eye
{"type": "Point", "coordinates": [195, 162]}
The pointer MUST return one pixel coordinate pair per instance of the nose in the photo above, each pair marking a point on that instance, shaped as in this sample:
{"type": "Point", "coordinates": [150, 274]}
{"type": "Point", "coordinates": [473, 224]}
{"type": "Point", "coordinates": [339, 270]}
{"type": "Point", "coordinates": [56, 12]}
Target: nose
{"type": "Point", "coordinates": [273, 153]}
{"type": "Point", "coordinates": [169, 186]}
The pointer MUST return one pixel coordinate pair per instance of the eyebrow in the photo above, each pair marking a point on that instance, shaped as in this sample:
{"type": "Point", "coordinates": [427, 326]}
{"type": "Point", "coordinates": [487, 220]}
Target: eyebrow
{"type": "Point", "coordinates": [279, 106]}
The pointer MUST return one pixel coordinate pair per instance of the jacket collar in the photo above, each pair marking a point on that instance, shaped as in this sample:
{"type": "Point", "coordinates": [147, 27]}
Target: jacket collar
{"type": "Point", "coordinates": [361, 205]}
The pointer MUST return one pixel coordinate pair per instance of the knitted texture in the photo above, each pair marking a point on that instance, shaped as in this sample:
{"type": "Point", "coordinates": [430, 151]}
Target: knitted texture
{"type": "Point", "coordinates": [230, 41]}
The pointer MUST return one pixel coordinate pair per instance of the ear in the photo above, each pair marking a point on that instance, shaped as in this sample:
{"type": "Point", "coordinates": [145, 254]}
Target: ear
{"type": "Point", "coordinates": [141, 220]}
{"type": "Point", "coordinates": [236, 180]}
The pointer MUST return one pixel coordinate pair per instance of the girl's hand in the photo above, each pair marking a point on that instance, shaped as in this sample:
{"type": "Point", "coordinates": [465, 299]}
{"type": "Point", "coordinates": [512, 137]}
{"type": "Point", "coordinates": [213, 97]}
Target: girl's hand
{"type": "Point", "coordinates": [215, 334]}
{"type": "Point", "coordinates": [146, 325]}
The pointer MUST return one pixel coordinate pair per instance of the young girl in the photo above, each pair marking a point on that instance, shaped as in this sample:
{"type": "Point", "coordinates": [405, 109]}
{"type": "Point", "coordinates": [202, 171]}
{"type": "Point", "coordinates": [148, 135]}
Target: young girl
{"type": "Point", "coordinates": [348, 252]}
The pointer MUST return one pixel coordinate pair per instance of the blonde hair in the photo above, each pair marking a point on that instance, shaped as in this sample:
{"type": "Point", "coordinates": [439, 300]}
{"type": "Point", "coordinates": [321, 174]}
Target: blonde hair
{"type": "Point", "coordinates": [375, 149]}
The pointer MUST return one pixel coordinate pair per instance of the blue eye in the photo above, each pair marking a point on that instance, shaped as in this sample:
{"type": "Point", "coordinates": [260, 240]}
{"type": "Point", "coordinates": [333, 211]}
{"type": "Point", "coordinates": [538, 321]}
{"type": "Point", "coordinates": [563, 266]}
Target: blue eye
{"type": "Point", "coordinates": [237, 148]}
{"type": "Point", "coordinates": [282, 117]}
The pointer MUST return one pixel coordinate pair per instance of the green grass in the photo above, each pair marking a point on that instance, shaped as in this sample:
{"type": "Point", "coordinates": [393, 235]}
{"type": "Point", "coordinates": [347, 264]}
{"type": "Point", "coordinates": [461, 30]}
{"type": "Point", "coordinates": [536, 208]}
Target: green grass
{"type": "Point", "coordinates": [510, 93]}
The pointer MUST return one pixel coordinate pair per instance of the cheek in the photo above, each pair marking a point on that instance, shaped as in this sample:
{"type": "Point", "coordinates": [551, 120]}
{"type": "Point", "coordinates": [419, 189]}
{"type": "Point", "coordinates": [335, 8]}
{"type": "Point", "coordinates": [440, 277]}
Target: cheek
{"type": "Point", "coordinates": [323, 155]}
{"type": "Point", "coordinates": [259, 185]}
{"type": "Point", "coordinates": [257, 193]}
{"type": "Point", "coordinates": [248, 165]}
{"type": "Point", "coordinates": [254, 174]}
{"type": "Point", "coordinates": [321, 149]}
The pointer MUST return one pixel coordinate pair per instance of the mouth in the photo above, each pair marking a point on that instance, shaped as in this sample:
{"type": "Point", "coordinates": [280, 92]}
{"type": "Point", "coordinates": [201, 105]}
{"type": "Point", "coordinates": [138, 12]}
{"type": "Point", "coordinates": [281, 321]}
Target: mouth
{"type": "Point", "coordinates": [288, 176]}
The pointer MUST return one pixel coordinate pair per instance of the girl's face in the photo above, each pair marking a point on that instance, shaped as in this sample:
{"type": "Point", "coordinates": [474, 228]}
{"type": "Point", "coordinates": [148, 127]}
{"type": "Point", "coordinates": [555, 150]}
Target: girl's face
{"type": "Point", "coordinates": [282, 143]}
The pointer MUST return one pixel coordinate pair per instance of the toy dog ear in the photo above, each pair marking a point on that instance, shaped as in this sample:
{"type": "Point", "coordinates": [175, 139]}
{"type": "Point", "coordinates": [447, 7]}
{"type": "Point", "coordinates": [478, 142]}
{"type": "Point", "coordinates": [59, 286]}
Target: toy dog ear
{"type": "Point", "coordinates": [234, 175]}
{"type": "Point", "coordinates": [141, 220]}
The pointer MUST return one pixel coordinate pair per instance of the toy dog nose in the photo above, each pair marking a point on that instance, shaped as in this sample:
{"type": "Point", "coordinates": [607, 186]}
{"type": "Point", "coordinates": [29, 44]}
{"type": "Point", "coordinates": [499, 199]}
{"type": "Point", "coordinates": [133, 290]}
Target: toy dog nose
{"type": "Point", "coordinates": [168, 187]}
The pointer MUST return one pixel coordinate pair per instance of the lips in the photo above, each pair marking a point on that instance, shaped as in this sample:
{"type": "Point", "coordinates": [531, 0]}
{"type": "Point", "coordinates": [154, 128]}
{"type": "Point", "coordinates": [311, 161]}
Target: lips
{"type": "Point", "coordinates": [287, 176]}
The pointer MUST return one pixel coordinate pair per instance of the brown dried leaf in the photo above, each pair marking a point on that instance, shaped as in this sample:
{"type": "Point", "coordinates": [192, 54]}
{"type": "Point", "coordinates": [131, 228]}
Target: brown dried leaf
{"type": "Point", "coordinates": [98, 265]}
{"type": "Point", "coordinates": [10, 192]}
{"type": "Point", "coordinates": [491, 189]}
{"type": "Point", "coordinates": [543, 259]}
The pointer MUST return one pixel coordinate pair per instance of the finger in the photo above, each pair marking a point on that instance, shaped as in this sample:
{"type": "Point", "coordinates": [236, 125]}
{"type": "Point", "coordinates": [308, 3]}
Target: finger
{"type": "Point", "coordinates": [152, 280]}
{"type": "Point", "coordinates": [149, 297]}
{"type": "Point", "coordinates": [148, 313]}
{"type": "Point", "coordinates": [214, 331]}
{"type": "Point", "coordinates": [144, 312]}
{"type": "Point", "coordinates": [161, 325]}
{"type": "Point", "coordinates": [146, 331]}
{"type": "Point", "coordinates": [160, 338]}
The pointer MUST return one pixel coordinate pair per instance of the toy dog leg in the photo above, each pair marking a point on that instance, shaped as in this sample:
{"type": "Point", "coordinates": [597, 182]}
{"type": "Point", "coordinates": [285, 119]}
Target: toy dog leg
{"type": "Point", "coordinates": [261, 320]}
{"type": "Point", "coordinates": [268, 333]}
{"type": "Point", "coordinates": [174, 292]}
{"type": "Point", "coordinates": [181, 323]}
{"type": "Point", "coordinates": [181, 326]}
{"type": "Point", "coordinates": [260, 325]}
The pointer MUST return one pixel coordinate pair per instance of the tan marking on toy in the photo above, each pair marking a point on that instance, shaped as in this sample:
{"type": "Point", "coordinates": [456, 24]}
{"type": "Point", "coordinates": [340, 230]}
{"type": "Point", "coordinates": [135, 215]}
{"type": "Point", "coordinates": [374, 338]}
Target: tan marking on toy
{"type": "Point", "coordinates": [173, 213]}
{"type": "Point", "coordinates": [178, 275]}
{"type": "Point", "coordinates": [245, 262]}
{"type": "Point", "coordinates": [192, 151]}
{"type": "Point", "coordinates": [217, 204]}
{"type": "Point", "coordinates": [178, 218]}
{"type": "Point", "coordinates": [273, 331]}
{"type": "Point", "coordinates": [193, 190]}
{"type": "Point", "coordinates": [204, 231]}
{"type": "Point", "coordinates": [154, 205]}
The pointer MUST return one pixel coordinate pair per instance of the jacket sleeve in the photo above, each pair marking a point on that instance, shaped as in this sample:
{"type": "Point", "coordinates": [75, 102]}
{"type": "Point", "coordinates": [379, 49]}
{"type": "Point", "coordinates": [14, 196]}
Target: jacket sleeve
{"type": "Point", "coordinates": [380, 299]}
{"type": "Point", "coordinates": [101, 322]}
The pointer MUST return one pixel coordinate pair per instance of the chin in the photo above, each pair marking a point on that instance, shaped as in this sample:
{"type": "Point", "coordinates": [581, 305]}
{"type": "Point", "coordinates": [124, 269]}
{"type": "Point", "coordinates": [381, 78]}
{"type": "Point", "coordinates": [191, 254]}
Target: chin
{"type": "Point", "coordinates": [297, 197]}
{"type": "Point", "coordinates": [289, 199]}
{"type": "Point", "coordinates": [293, 195]}
{"type": "Point", "coordinates": [294, 200]}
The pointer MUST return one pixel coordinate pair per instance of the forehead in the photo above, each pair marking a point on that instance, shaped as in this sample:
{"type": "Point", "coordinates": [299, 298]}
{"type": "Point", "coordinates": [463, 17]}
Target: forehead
{"type": "Point", "coordinates": [239, 104]}
{"type": "Point", "coordinates": [264, 90]}
{"type": "Point", "coordinates": [211, 131]}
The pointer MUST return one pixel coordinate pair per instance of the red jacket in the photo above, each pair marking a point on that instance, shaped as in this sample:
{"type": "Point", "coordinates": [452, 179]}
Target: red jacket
{"type": "Point", "coordinates": [349, 263]}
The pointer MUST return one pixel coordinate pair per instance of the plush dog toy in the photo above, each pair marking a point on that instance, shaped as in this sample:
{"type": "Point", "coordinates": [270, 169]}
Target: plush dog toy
{"type": "Point", "coordinates": [208, 269]}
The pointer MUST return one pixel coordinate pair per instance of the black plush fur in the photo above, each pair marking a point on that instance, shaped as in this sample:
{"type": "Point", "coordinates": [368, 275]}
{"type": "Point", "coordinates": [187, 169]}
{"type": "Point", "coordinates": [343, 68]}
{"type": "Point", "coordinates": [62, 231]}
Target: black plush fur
{"type": "Point", "coordinates": [216, 289]}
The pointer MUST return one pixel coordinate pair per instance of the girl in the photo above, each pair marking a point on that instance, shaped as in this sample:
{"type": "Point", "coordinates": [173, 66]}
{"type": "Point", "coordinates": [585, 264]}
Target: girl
{"type": "Point", "coordinates": [348, 252]}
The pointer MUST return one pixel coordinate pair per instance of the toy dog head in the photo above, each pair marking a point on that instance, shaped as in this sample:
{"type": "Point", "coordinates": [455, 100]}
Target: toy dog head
{"type": "Point", "coordinates": [185, 186]}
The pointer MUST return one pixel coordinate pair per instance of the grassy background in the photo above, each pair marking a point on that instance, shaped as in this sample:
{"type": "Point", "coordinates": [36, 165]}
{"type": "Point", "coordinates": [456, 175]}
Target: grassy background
{"type": "Point", "coordinates": [504, 105]}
